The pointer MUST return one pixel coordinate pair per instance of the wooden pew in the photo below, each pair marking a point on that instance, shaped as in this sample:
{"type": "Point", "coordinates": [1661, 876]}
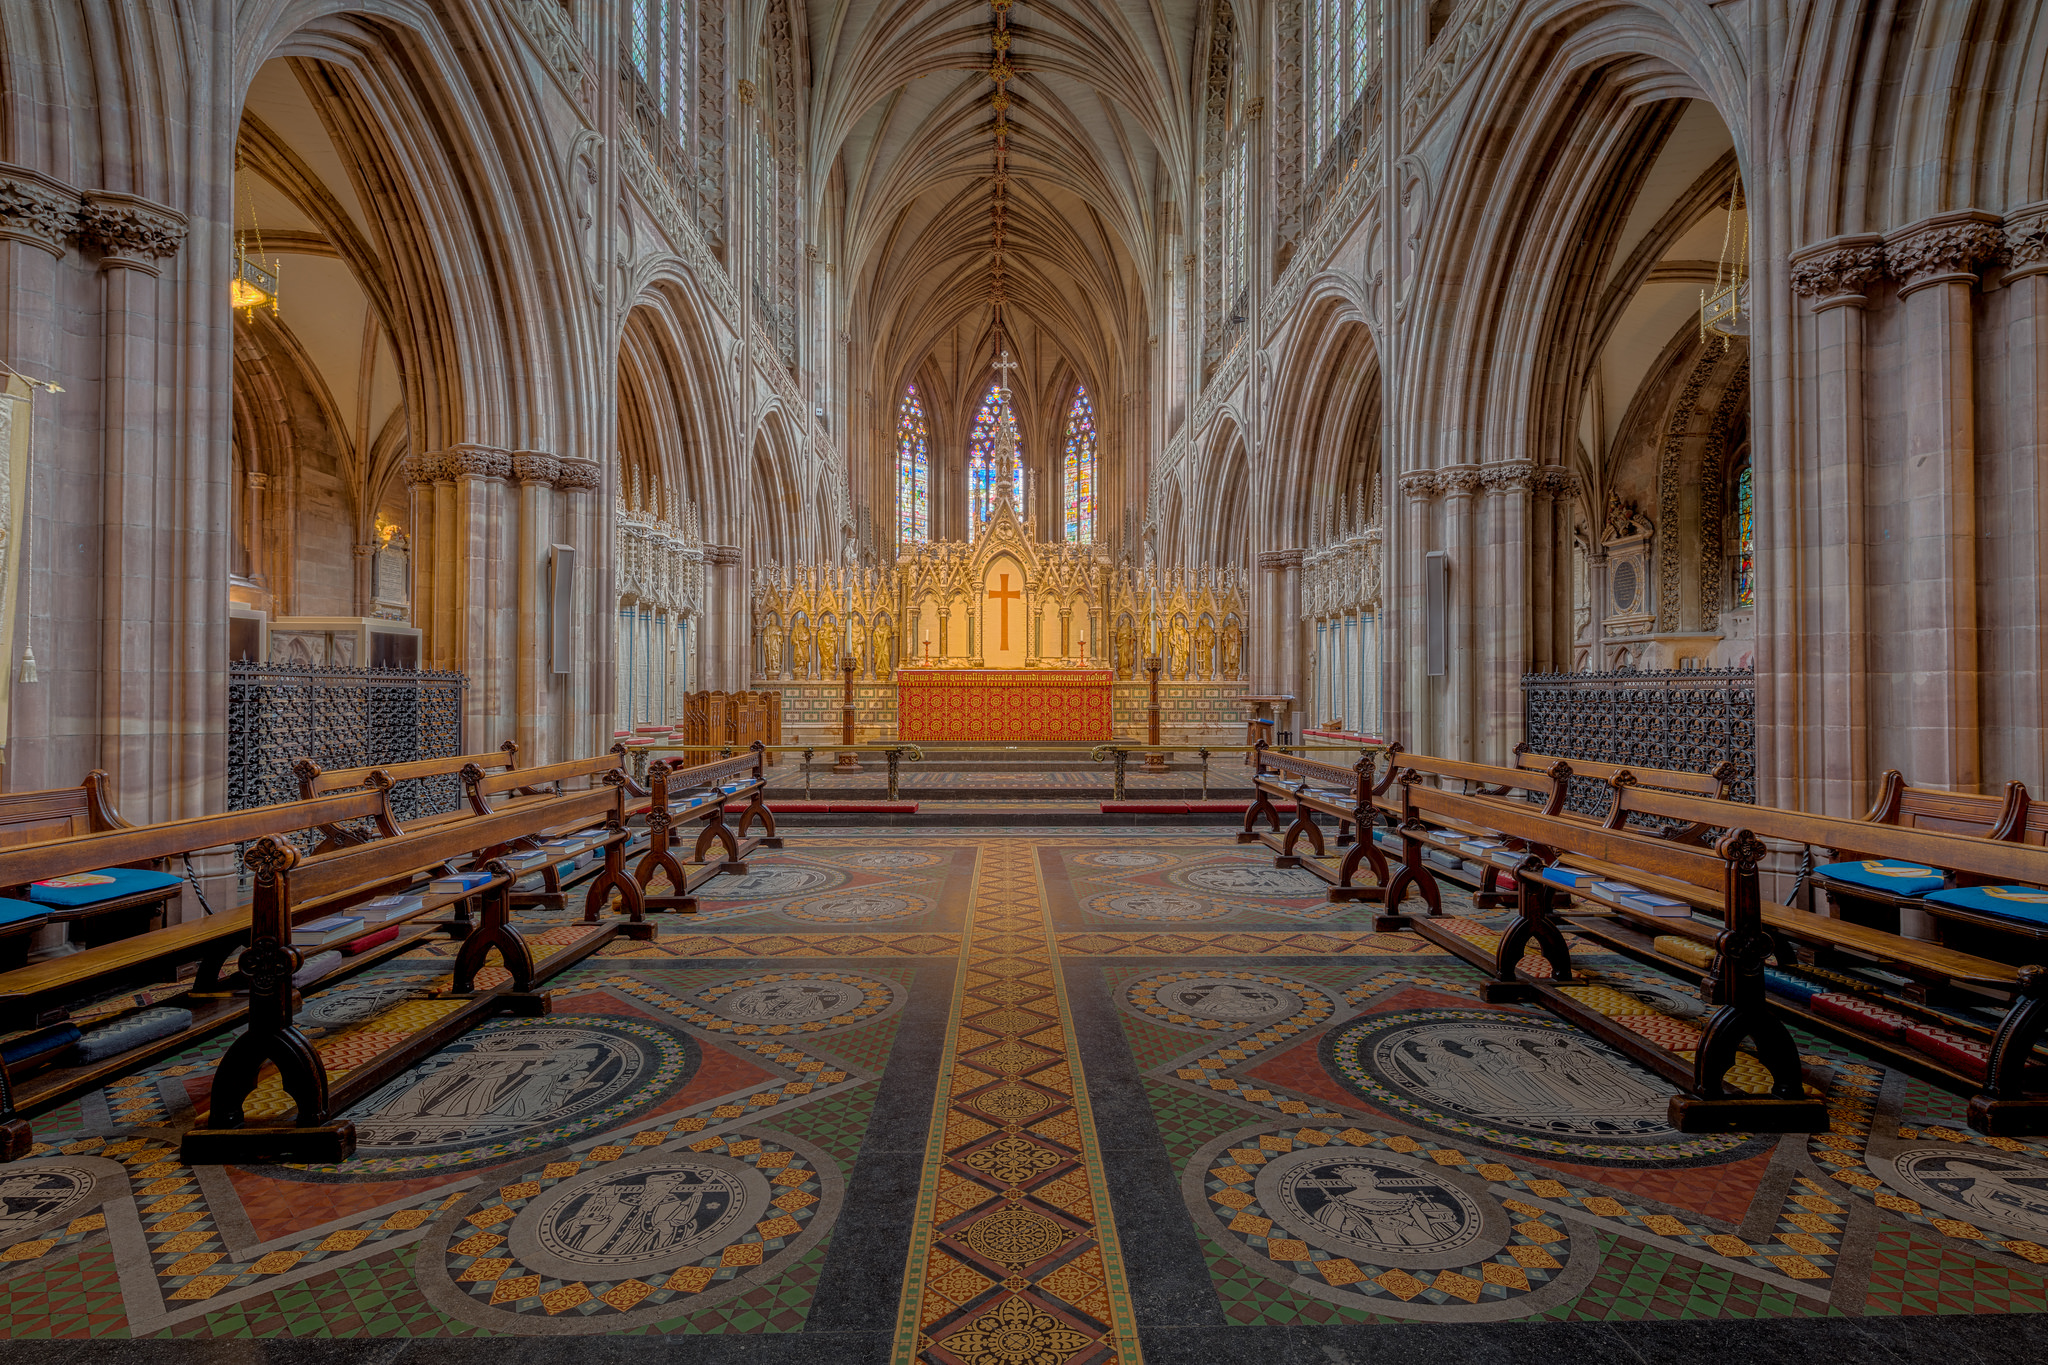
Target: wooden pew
{"type": "Point", "coordinates": [2006, 1090]}
{"type": "Point", "coordinates": [664, 817]}
{"type": "Point", "coordinates": [499, 793]}
{"type": "Point", "coordinates": [1902, 806]}
{"type": "Point", "coordinates": [1711, 785]}
{"type": "Point", "coordinates": [1343, 793]}
{"type": "Point", "coordinates": [1735, 982]}
{"type": "Point", "coordinates": [290, 889]}
{"type": "Point", "coordinates": [42, 993]}
{"type": "Point", "coordinates": [1546, 793]}
{"type": "Point", "coordinates": [98, 916]}
{"type": "Point", "coordinates": [317, 781]}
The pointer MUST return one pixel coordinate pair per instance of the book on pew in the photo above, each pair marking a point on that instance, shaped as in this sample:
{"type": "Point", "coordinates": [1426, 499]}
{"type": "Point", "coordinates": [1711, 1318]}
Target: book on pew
{"type": "Point", "coordinates": [1567, 877]}
{"type": "Point", "coordinates": [530, 858]}
{"type": "Point", "coordinates": [1650, 903]}
{"type": "Point", "coordinates": [568, 845]}
{"type": "Point", "coordinates": [320, 932]}
{"type": "Point", "coordinates": [387, 908]}
{"type": "Point", "coordinates": [458, 883]}
{"type": "Point", "coordinates": [1484, 844]}
{"type": "Point", "coordinates": [1617, 889]}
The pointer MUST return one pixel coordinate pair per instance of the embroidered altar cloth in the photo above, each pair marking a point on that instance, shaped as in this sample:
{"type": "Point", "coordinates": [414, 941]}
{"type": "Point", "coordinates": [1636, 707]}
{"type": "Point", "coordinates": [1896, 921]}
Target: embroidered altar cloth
{"type": "Point", "coordinates": [1002, 704]}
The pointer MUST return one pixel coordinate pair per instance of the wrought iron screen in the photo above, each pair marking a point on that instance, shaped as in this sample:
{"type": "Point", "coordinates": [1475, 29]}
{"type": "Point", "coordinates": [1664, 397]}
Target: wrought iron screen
{"type": "Point", "coordinates": [1687, 721]}
{"type": "Point", "coordinates": [341, 718]}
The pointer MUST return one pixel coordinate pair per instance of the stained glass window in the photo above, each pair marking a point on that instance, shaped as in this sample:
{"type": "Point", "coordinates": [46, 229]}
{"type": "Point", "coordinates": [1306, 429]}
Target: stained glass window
{"type": "Point", "coordinates": [1077, 493]}
{"type": "Point", "coordinates": [981, 463]}
{"type": "Point", "coordinates": [1342, 46]}
{"type": "Point", "coordinates": [1745, 537]}
{"type": "Point", "coordinates": [913, 471]}
{"type": "Point", "coordinates": [657, 48]}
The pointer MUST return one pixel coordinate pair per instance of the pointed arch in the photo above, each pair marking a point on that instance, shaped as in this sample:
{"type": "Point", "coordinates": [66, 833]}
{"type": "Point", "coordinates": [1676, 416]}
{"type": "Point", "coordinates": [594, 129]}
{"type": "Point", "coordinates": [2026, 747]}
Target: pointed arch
{"type": "Point", "coordinates": [981, 459]}
{"type": "Point", "coordinates": [913, 469]}
{"type": "Point", "coordinates": [1078, 470]}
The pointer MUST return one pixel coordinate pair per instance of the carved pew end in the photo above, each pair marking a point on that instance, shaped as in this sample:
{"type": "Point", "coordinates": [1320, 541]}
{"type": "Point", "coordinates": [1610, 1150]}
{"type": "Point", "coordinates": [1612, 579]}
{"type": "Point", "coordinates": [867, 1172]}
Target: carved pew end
{"type": "Point", "coordinates": [1747, 1114]}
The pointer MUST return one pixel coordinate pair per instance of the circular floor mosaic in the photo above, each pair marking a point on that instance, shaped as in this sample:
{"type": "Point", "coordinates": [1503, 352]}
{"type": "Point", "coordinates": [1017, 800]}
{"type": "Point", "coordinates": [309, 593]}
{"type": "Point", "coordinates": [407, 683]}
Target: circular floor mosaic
{"type": "Point", "coordinates": [807, 1002]}
{"type": "Point", "coordinates": [775, 883]}
{"type": "Point", "coordinates": [1122, 857]}
{"type": "Point", "coordinates": [1518, 1081]}
{"type": "Point", "coordinates": [858, 907]}
{"type": "Point", "coordinates": [627, 1243]}
{"type": "Point", "coordinates": [1361, 1219]}
{"type": "Point", "coordinates": [2005, 1192]}
{"type": "Point", "coordinates": [893, 861]}
{"type": "Point", "coordinates": [1224, 1001]}
{"type": "Point", "coordinates": [512, 1086]}
{"type": "Point", "coordinates": [1157, 905]}
{"type": "Point", "coordinates": [1246, 880]}
{"type": "Point", "coordinates": [35, 1195]}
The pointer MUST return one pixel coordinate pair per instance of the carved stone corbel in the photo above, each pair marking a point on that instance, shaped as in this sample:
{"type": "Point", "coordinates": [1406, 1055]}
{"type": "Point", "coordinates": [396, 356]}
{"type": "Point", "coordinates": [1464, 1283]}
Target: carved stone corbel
{"type": "Point", "coordinates": [1946, 248]}
{"type": "Point", "coordinates": [1839, 270]}
{"type": "Point", "coordinates": [37, 210]}
{"type": "Point", "coordinates": [2026, 241]}
{"type": "Point", "coordinates": [1508, 476]}
{"type": "Point", "coordinates": [531, 466]}
{"type": "Point", "coordinates": [129, 232]}
{"type": "Point", "coordinates": [574, 475]}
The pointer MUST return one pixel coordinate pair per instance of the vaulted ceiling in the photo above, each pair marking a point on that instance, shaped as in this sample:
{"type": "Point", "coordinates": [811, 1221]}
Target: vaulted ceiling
{"type": "Point", "coordinates": [1099, 135]}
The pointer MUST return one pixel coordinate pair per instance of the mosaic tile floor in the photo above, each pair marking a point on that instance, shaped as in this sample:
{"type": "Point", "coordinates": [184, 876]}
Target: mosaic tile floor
{"type": "Point", "coordinates": [1031, 1098]}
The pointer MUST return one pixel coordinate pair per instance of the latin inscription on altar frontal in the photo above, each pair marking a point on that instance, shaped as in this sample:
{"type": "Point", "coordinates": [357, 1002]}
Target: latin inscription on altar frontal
{"type": "Point", "coordinates": [1002, 704]}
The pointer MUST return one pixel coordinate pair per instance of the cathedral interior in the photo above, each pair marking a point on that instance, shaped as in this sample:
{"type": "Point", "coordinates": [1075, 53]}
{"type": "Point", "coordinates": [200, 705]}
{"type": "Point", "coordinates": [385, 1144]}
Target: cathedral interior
{"type": "Point", "coordinates": [1023, 682]}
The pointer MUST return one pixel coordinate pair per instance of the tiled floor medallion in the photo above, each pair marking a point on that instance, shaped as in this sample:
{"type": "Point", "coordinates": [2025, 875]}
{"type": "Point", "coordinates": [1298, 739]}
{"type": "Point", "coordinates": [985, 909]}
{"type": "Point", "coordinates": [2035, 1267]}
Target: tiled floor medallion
{"type": "Point", "coordinates": [1124, 858]}
{"type": "Point", "coordinates": [1369, 1221]}
{"type": "Point", "coordinates": [36, 1196]}
{"type": "Point", "coordinates": [1240, 879]}
{"type": "Point", "coordinates": [892, 861]}
{"type": "Point", "coordinates": [335, 1009]}
{"type": "Point", "coordinates": [858, 908]}
{"type": "Point", "coordinates": [1153, 905]}
{"type": "Point", "coordinates": [2001, 1191]}
{"type": "Point", "coordinates": [806, 1002]}
{"type": "Point", "coordinates": [1224, 1001]}
{"type": "Point", "coordinates": [769, 883]}
{"type": "Point", "coordinates": [1519, 1081]}
{"type": "Point", "coordinates": [514, 1086]}
{"type": "Point", "coordinates": [607, 1243]}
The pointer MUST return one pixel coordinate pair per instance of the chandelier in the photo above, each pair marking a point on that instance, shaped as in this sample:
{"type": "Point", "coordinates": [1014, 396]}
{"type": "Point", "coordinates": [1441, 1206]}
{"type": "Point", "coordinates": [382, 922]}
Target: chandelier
{"type": "Point", "coordinates": [253, 282]}
{"type": "Point", "coordinates": [1724, 313]}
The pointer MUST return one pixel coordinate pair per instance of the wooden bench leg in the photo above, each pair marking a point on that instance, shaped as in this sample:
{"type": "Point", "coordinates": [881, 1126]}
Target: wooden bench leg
{"type": "Point", "coordinates": [1532, 921]}
{"type": "Point", "coordinates": [717, 831]}
{"type": "Point", "coordinates": [1361, 851]}
{"type": "Point", "coordinates": [759, 806]}
{"type": "Point", "coordinates": [1252, 814]}
{"type": "Point", "coordinates": [2002, 1109]}
{"type": "Point", "coordinates": [1304, 823]}
{"type": "Point", "coordinates": [614, 878]}
{"type": "Point", "coordinates": [16, 1137]}
{"type": "Point", "coordinates": [495, 931]}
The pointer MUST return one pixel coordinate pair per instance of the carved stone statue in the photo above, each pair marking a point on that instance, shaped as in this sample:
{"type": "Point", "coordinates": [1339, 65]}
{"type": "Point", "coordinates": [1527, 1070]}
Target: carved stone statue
{"type": "Point", "coordinates": [771, 647]}
{"type": "Point", "coordinates": [800, 650]}
{"type": "Point", "coordinates": [1177, 650]}
{"type": "Point", "coordinates": [1126, 651]}
{"type": "Point", "coordinates": [1233, 646]}
{"type": "Point", "coordinates": [1205, 649]}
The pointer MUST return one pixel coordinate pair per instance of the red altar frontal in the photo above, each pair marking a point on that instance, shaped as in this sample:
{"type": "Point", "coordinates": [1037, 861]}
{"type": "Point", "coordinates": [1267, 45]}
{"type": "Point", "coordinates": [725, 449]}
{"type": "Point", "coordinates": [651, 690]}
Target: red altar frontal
{"type": "Point", "coordinates": [1002, 703]}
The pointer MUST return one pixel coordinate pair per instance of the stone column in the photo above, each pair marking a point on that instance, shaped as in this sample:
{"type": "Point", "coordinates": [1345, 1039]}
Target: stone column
{"type": "Point", "coordinates": [585, 727]}
{"type": "Point", "coordinates": [2026, 250]}
{"type": "Point", "coordinates": [1281, 572]}
{"type": "Point", "coordinates": [1456, 731]}
{"type": "Point", "coordinates": [1542, 572]}
{"type": "Point", "coordinates": [1411, 724]}
{"type": "Point", "coordinates": [725, 640]}
{"type": "Point", "coordinates": [536, 474]}
{"type": "Point", "coordinates": [1935, 262]}
{"type": "Point", "coordinates": [1507, 647]}
{"type": "Point", "coordinates": [364, 573]}
{"type": "Point", "coordinates": [1564, 501]}
{"type": "Point", "coordinates": [142, 654]}
{"type": "Point", "coordinates": [1834, 275]}
{"type": "Point", "coordinates": [469, 495]}
{"type": "Point", "coordinates": [255, 485]}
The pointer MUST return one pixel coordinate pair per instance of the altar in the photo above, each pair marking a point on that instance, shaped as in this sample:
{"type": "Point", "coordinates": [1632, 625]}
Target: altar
{"type": "Point", "coordinates": [1003, 704]}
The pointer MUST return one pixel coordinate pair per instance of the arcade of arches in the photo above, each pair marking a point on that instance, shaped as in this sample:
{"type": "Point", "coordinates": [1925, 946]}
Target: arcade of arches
{"type": "Point", "coordinates": [1370, 355]}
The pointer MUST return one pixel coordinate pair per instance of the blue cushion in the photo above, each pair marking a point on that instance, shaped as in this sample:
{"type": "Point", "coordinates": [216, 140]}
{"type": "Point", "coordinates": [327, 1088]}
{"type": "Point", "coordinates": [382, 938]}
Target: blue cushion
{"type": "Point", "coordinates": [119, 882]}
{"type": "Point", "coordinates": [1784, 983]}
{"type": "Point", "coordinates": [2026, 903]}
{"type": "Point", "coordinates": [1886, 874]}
{"type": "Point", "coordinates": [14, 912]}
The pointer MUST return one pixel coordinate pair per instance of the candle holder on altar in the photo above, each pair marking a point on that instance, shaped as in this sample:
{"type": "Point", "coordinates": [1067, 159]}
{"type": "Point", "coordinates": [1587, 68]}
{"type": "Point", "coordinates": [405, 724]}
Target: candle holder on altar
{"type": "Point", "coordinates": [1155, 762]}
{"type": "Point", "coordinates": [849, 761]}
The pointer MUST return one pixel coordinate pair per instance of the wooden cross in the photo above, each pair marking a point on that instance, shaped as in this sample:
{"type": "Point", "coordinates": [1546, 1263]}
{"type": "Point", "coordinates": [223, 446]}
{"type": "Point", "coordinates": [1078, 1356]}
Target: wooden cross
{"type": "Point", "coordinates": [1004, 596]}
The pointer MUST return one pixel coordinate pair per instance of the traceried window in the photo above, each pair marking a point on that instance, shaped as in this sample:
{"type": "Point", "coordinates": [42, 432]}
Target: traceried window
{"type": "Point", "coordinates": [1745, 537]}
{"type": "Point", "coordinates": [658, 51]}
{"type": "Point", "coordinates": [1077, 473]}
{"type": "Point", "coordinates": [913, 471]}
{"type": "Point", "coordinates": [1342, 45]}
{"type": "Point", "coordinates": [1236, 179]}
{"type": "Point", "coordinates": [981, 463]}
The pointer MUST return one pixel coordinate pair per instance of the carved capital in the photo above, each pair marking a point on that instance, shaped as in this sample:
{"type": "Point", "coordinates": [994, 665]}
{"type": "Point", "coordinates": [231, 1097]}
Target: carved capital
{"type": "Point", "coordinates": [1508, 476]}
{"type": "Point", "coordinates": [1839, 267]}
{"type": "Point", "coordinates": [1420, 483]}
{"type": "Point", "coordinates": [530, 466]}
{"type": "Point", "coordinates": [722, 554]}
{"type": "Point", "coordinates": [2026, 240]}
{"type": "Point", "coordinates": [129, 231]}
{"type": "Point", "coordinates": [256, 480]}
{"type": "Point", "coordinates": [1556, 481]}
{"type": "Point", "coordinates": [1280, 559]}
{"type": "Point", "coordinates": [574, 475]}
{"type": "Point", "coordinates": [475, 461]}
{"type": "Point", "coordinates": [1946, 247]}
{"type": "Point", "coordinates": [1460, 480]}
{"type": "Point", "coordinates": [37, 210]}
{"type": "Point", "coordinates": [424, 467]}
{"type": "Point", "coordinates": [745, 90]}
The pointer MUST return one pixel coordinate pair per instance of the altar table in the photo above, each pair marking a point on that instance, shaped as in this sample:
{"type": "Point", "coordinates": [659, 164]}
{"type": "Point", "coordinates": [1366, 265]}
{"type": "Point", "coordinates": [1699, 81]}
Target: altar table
{"type": "Point", "coordinates": [935, 704]}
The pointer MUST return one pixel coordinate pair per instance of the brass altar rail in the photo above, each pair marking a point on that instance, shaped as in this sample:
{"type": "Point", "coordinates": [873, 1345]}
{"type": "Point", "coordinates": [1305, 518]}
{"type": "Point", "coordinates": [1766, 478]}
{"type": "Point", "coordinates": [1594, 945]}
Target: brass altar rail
{"type": "Point", "coordinates": [1112, 751]}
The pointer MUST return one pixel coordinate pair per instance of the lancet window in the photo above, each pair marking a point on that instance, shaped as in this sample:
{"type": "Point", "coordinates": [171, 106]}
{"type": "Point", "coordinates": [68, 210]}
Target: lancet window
{"type": "Point", "coordinates": [913, 471]}
{"type": "Point", "coordinates": [660, 61]}
{"type": "Point", "coordinates": [1077, 473]}
{"type": "Point", "coordinates": [981, 462]}
{"type": "Point", "coordinates": [1342, 46]}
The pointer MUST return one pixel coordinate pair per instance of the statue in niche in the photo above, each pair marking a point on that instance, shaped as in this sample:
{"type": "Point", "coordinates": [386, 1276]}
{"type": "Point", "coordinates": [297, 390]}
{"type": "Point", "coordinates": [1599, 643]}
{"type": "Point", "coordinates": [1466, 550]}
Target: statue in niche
{"type": "Point", "coordinates": [1233, 646]}
{"type": "Point", "coordinates": [1205, 649]}
{"type": "Point", "coordinates": [1126, 657]}
{"type": "Point", "coordinates": [800, 650]}
{"type": "Point", "coordinates": [1177, 649]}
{"type": "Point", "coordinates": [771, 647]}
